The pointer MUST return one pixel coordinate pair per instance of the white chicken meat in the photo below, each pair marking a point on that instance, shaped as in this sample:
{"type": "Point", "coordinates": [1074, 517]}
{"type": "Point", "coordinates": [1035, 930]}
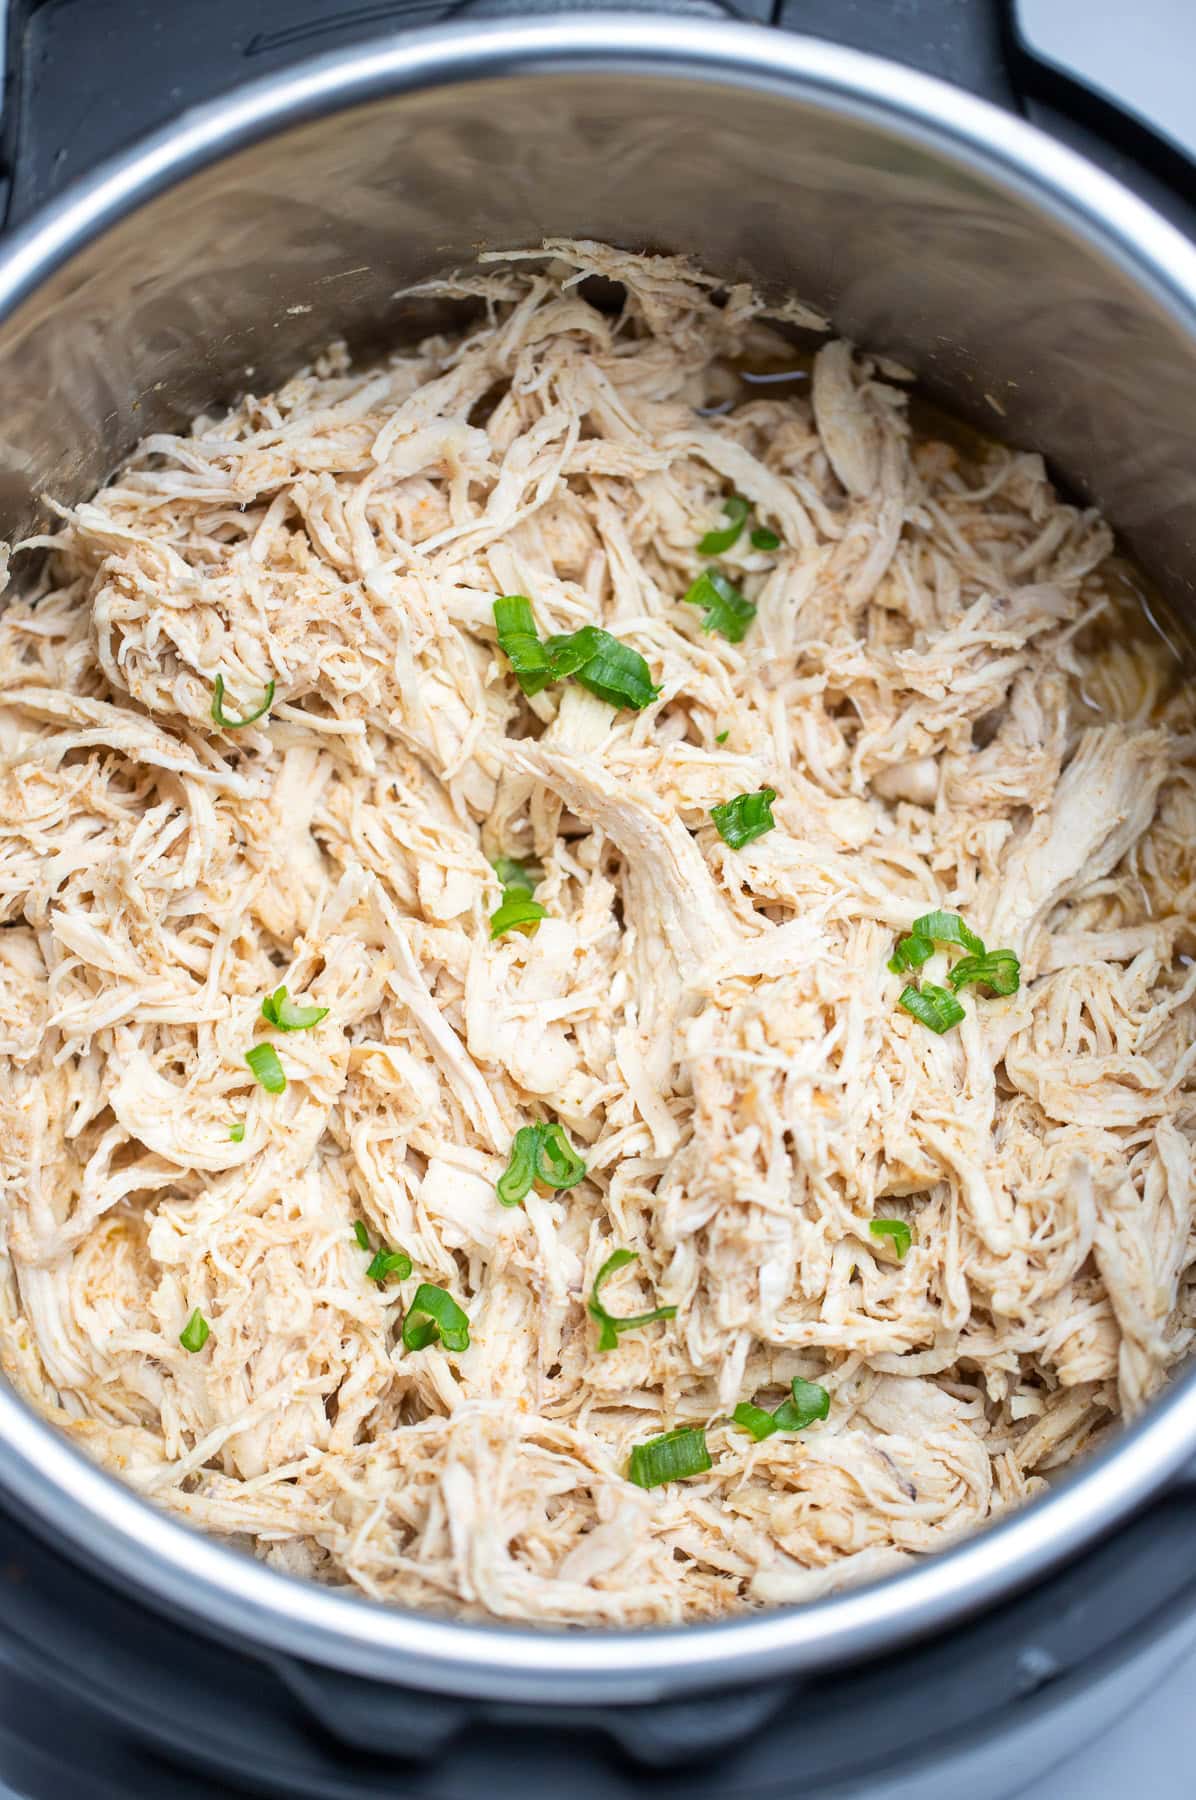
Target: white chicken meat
{"type": "Point", "coordinates": [957, 710]}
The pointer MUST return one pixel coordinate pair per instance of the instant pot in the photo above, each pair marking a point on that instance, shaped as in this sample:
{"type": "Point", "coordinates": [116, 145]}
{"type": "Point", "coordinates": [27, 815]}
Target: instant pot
{"type": "Point", "coordinates": [200, 195]}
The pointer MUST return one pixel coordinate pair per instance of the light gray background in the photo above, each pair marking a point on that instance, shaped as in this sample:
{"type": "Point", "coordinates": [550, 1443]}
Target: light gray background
{"type": "Point", "coordinates": [1142, 56]}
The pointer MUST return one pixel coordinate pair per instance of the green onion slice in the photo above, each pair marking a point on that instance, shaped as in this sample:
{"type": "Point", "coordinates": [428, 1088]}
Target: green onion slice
{"type": "Point", "coordinates": [520, 643]}
{"type": "Point", "coordinates": [361, 1233]}
{"type": "Point", "coordinates": [611, 669]}
{"type": "Point", "coordinates": [747, 817]}
{"type": "Point", "coordinates": [236, 1131]}
{"type": "Point", "coordinates": [195, 1332]}
{"type": "Point", "coordinates": [517, 911]}
{"type": "Point", "coordinates": [435, 1314]}
{"type": "Point", "coordinates": [726, 610]}
{"type": "Point", "coordinates": [221, 717]}
{"type": "Point", "coordinates": [933, 1006]}
{"type": "Point", "coordinates": [723, 736]}
{"type": "Point", "coordinates": [515, 1183]}
{"type": "Point", "coordinates": [764, 539]}
{"type": "Point", "coordinates": [933, 928]}
{"type": "Point", "coordinates": [263, 1060]}
{"type": "Point", "coordinates": [557, 1163]}
{"type": "Point", "coordinates": [715, 542]}
{"type": "Point", "coordinates": [570, 651]}
{"type": "Point", "coordinates": [278, 1010]}
{"type": "Point", "coordinates": [910, 953]}
{"type": "Point", "coordinates": [605, 666]}
{"type": "Point", "coordinates": [388, 1262]}
{"type": "Point", "coordinates": [947, 928]}
{"type": "Point", "coordinates": [898, 1230]}
{"type": "Point", "coordinates": [998, 969]}
{"type": "Point", "coordinates": [669, 1458]}
{"type": "Point", "coordinates": [610, 1327]}
{"type": "Point", "coordinates": [809, 1403]}
{"type": "Point", "coordinates": [515, 874]}
{"type": "Point", "coordinates": [755, 1419]}
{"type": "Point", "coordinates": [539, 1153]}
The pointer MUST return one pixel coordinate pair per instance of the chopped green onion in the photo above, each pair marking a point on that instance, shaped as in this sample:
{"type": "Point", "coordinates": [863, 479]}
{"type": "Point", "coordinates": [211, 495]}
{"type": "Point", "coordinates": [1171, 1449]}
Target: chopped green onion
{"type": "Point", "coordinates": [947, 928]}
{"type": "Point", "coordinates": [715, 542]}
{"type": "Point", "coordinates": [755, 1419]}
{"type": "Point", "coordinates": [998, 969]}
{"type": "Point", "coordinates": [520, 643]}
{"type": "Point", "coordinates": [898, 1230]}
{"type": "Point", "coordinates": [933, 928]}
{"type": "Point", "coordinates": [933, 1006]}
{"type": "Point", "coordinates": [608, 668]}
{"type": "Point", "coordinates": [669, 1458]}
{"type": "Point", "coordinates": [195, 1332]}
{"type": "Point", "coordinates": [435, 1314]}
{"type": "Point", "coordinates": [764, 539]}
{"type": "Point", "coordinates": [810, 1402]}
{"type": "Point", "coordinates": [222, 719]}
{"type": "Point", "coordinates": [605, 666]}
{"type": "Point", "coordinates": [278, 1010]}
{"type": "Point", "coordinates": [608, 1336]}
{"type": "Point", "coordinates": [747, 817]}
{"type": "Point", "coordinates": [539, 1152]}
{"type": "Point", "coordinates": [361, 1233]}
{"type": "Point", "coordinates": [516, 1181]}
{"type": "Point", "coordinates": [569, 651]}
{"type": "Point", "coordinates": [910, 953]}
{"type": "Point", "coordinates": [517, 911]}
{"type": "Point", "coordinates": [726, 610]}
{"type": "Point", "coordinates": [236, 1131]}
{"type": "Point", "coordinates": [515, 874]}
{"type": "Point", "coordinates": [263, 1060]}
{"type": "Point", "coordinates": [723, 736]}
{"type": "Point", "coordinates": [557, 1163]}
{"type": "Point", "coordinates": [388, 1262]}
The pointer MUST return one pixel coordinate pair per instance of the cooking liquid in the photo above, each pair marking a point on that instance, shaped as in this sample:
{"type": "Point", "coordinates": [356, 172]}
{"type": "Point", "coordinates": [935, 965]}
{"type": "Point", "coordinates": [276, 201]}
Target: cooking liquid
{"type": "Point", "coordinates": [1139, 609]}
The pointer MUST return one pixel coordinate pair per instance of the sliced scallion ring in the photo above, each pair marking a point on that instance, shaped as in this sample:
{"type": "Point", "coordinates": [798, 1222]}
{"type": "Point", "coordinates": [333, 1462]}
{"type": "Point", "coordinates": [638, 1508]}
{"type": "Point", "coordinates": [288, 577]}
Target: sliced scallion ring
{"type": "Point", "coordinates": [280, 1011]}
{"type": "Point", "coordinates": [610, 1327]}
{"type": "Point", "coordinates": [434, 1314]}
{"type": "Point", "coordinates": [517, 911]}
{"type": "Point", "coordinates": [221, 717]}
{"type": "Point", "coordinates": [933, 1006]}
{"type": "Point", "coordinates": [726, 610]}
{"type": "Point", "coordinates": [387, 1263]}
{"type": "Point", "coordinates": [195, 1333]}
{"type": "Point", "coordinates": [736, 510]}
{"type": "Point", "coordinates": [670, 1457]}
{"type": "Point", "coordinates": [895, 1229]}
{"type": "Point", "coordinates": [745, 818]}
{"type": "Point", "coordinates": [267, 1070]}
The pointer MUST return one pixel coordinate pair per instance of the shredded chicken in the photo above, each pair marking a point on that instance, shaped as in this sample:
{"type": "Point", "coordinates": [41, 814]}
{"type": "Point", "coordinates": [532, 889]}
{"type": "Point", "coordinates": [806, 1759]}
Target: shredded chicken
{"type": "Point", "coordinates": [956, 710]}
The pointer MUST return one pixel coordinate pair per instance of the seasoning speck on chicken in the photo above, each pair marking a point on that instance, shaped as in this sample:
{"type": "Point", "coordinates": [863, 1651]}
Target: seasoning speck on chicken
{"type": "Point", "coordinates": [920, 1267]}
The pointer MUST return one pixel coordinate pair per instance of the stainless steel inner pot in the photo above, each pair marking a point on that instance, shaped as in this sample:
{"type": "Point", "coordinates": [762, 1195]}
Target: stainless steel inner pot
{"type": "Point", "coordinates": [1031, 293]}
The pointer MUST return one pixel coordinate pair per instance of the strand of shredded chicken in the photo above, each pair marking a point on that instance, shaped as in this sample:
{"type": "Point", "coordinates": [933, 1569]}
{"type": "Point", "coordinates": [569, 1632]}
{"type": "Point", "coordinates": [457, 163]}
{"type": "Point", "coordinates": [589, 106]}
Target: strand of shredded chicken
{"type": "Point", "coordinates": [953, 715]}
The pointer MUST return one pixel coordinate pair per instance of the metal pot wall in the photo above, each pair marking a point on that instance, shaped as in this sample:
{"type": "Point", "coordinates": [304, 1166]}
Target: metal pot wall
{"type": "Point", "coordinates": [1030, 292]}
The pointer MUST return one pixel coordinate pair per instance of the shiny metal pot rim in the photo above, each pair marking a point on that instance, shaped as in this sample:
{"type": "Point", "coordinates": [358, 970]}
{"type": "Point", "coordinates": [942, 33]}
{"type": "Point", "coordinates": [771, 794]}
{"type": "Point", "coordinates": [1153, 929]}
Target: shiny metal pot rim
{"type": "Point", "coordinates": [105, 1524]}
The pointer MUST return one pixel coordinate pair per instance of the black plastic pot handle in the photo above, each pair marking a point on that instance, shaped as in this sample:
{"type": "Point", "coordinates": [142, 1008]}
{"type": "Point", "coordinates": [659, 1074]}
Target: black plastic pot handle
{"type": "Point", "coordinates": [85, 79]}
{"type": "Point", "coordinates": [102, 1657]}
{"type": "Point", "coordinates": [420, 1727]}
